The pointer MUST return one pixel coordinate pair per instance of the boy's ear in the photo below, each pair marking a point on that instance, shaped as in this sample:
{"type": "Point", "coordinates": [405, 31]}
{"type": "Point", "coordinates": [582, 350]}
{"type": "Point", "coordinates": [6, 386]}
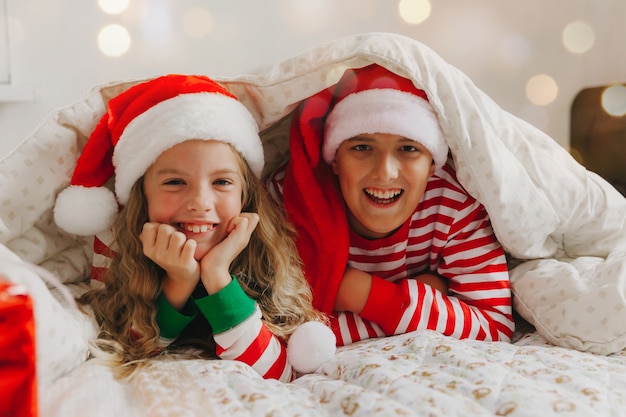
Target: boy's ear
{"type": "Point", "coordinates": [432, 169]}
{"type": "Point", "coordinates": [334, 166]}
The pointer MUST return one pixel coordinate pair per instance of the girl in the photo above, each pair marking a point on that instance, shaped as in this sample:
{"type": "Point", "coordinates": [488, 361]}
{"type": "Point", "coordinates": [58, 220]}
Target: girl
{"type": "Point", "coordinates": [199, 249]}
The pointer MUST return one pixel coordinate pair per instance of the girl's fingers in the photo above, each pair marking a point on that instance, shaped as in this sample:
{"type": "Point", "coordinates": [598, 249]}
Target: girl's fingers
{"type": "Point", "coordinates": [169, 239]}
{"type": "Point", "coordinates": [245, 222]}
{"type": "Point", "coordinates": [189, 249]}
{"type": "Point", "coordinates": [170, 249]}
{"type": "Point", "coordinates": [162, 243]}
{"type": "Point", "coordinates": [148, 233]}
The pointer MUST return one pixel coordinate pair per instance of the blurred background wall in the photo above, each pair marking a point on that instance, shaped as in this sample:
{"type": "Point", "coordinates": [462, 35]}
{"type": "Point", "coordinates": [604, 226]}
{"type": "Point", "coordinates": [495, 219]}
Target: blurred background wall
{"type": "Point", "coordinates": [532, 57]}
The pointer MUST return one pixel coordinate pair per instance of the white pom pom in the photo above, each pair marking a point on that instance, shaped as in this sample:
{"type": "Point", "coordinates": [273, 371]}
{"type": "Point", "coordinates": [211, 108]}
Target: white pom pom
{"type": "Point", "coordinates": [85, 211]}
{"type": "Point", "coordinates": [310, 346]}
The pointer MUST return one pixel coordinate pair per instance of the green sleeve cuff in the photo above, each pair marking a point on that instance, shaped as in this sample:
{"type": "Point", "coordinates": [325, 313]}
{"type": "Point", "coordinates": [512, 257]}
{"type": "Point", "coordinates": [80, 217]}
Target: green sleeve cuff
{"type": "Point", "coordinates": [226, 308]}
{"type": "Point", "coordinates": [170, 321]}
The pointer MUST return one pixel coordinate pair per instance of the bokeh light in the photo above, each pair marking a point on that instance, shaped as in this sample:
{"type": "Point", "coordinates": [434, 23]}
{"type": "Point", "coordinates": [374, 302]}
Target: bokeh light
{"type": "Point", "coordinates": [114, 40]}
{"type": "Point", "coordinates": [614, 100]}
{"type": "Point", "coordinates": [113, 6]}
{"type": "Point", "coordinates": [541, 90]}
{"type": "Point", "coordinates": [198, 22]}
{"type": "Point", "coordinates": [414, 11]}
{"type": "Point", "coordinates": [578, 37]}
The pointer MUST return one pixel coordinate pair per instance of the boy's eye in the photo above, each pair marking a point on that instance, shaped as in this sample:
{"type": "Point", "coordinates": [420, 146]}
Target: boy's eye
{"type": "Point", "coordinates": [409, 148]}
{"type": "Point", "coordinates": [361, 147]}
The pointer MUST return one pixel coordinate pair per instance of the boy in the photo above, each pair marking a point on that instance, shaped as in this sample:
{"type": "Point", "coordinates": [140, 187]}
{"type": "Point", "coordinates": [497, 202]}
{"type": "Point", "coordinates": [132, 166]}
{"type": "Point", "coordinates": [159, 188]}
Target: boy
{"type": "Point", "coordinates": [390, 241]}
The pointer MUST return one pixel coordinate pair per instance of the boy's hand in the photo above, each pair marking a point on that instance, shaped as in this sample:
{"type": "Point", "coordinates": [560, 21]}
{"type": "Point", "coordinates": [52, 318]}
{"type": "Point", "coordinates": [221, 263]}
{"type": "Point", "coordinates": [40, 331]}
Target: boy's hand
{"type": "Point", "coordinates": [170, 249]}
{"type": "Point", "coordinates": [215, 265]}
{"type": "Point", "coordinates": [353, 291]}
{"type": "Point", "coordinates": [434, 281]}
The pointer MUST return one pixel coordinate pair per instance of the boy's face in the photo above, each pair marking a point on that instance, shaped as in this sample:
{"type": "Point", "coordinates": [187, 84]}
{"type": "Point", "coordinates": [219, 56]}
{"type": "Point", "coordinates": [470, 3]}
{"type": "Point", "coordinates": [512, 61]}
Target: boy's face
{"type": "Point", "coordinates": [382, 179]}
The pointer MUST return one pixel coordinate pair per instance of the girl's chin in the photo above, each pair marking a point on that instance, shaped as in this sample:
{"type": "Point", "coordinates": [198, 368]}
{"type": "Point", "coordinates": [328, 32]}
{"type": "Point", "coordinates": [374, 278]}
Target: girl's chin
{"type": "Point", "coordinates": [201, 250]}
{"type": "Point", "coordinates": [204, 244]}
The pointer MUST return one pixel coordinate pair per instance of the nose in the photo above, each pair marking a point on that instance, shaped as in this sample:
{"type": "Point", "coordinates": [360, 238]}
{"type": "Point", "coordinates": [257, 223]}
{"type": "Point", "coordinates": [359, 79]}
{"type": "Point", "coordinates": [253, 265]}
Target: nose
{"type": "Point", "coordinates": [386, 167]}
{"type": "Point", "coordinates": [200, 198]}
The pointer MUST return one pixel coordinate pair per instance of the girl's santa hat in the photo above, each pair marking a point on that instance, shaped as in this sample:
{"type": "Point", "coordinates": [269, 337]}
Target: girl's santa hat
{"type": "Point", "coordinates": [366, 100]}
{"type": "Point", "coordinates": [139, 125]}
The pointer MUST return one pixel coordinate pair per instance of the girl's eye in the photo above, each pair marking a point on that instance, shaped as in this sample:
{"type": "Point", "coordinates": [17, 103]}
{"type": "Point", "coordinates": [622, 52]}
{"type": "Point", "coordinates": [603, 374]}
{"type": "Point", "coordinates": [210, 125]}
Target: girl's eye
{"type": "Point", "coordinates": [409, 148]}
{"type": "Point", "coordinates": [175, 181]}
{"type": "Point", "coordinates": [222, 181]}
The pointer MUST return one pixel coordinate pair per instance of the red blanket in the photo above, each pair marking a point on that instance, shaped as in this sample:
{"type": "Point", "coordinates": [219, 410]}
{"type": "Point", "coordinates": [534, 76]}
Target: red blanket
{"type": "Point", "coordinates": [17, 352]}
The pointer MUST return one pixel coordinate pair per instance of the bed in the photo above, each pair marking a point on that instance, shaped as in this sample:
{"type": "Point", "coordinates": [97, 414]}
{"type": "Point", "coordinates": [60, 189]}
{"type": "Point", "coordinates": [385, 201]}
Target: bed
{"type": "Point", "coordinates": [563, 227]}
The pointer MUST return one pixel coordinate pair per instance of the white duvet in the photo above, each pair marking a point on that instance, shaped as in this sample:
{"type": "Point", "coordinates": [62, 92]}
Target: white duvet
{"type": "Point", "coordinates": [563, 226]}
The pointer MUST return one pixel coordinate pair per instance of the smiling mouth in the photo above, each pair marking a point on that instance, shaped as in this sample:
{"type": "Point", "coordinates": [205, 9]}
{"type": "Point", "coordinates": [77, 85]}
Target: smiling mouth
{"type": "Point", "coordinates": [196, 228]}
{"type": "Point", "coordinates": [383, 197]}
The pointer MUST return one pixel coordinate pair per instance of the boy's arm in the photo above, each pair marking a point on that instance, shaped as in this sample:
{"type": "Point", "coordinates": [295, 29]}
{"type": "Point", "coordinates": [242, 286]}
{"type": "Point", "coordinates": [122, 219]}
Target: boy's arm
{"type": "Point", "coordinates": [479, 304]}
{"type": "Point", "coordinates": [355, 287]}
{"type": "Point", "coordinates": [240, 333]}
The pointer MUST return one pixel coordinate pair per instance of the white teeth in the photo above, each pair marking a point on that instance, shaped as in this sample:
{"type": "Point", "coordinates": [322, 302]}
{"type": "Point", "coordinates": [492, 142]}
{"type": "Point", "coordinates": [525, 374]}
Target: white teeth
{"type": "Point", "coordinates": [195, 228]}
{"type": "Point", "coordinates": [384, 195]}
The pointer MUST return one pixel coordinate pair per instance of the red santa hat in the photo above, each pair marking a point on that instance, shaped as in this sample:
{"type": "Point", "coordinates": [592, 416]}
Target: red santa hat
{"type": "Point", "coordinates": [366, 100]}
{"type": "Point", "coordinates": [139, 125]}
{"type": "Point", "coordinates": [383, 104]}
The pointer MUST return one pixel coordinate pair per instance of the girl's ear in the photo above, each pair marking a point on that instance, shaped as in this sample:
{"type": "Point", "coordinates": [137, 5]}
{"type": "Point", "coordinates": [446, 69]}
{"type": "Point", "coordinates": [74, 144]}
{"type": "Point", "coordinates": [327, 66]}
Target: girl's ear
{"type": "Point", "coordinates": [334, 166]}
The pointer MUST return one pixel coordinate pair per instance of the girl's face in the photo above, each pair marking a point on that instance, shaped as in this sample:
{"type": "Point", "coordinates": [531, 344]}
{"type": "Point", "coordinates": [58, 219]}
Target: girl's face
{"type": "Point", "coordinates": [382, 179]}
{"type": "Point", "coordinates": [196, 187]}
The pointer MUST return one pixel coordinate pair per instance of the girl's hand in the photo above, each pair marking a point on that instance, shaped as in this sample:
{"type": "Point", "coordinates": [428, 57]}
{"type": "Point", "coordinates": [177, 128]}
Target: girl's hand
{"type": "Point", "coordinates": [215, 265]}
{"type": "Point", "coordinates": [171, 250]}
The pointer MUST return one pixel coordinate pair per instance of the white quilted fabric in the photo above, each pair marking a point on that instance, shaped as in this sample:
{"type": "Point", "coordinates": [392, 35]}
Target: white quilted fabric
{"type": "Point", "coordinates": [416, 374]}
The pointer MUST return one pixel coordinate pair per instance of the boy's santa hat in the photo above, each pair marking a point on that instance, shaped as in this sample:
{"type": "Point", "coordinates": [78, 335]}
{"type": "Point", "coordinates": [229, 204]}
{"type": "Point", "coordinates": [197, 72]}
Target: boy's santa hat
{"type": "Point", "coordinates": [139, 125]}
{"type": "Point", "coordinates": [366, 100]}
{"type": "Point", "coordinates": [378, 101]}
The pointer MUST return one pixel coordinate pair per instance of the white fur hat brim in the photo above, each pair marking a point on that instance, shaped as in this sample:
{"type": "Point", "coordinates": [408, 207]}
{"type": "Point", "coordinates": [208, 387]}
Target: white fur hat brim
{"type": "Point", "coordinates": [205, 116]}
{"type": "Point", "coordinates": [388, 111]}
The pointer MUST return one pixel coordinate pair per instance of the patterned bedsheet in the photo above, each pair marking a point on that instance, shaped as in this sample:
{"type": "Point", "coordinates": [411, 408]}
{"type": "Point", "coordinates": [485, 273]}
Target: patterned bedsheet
{"type": "Point", "coordinates": [417, 374]}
